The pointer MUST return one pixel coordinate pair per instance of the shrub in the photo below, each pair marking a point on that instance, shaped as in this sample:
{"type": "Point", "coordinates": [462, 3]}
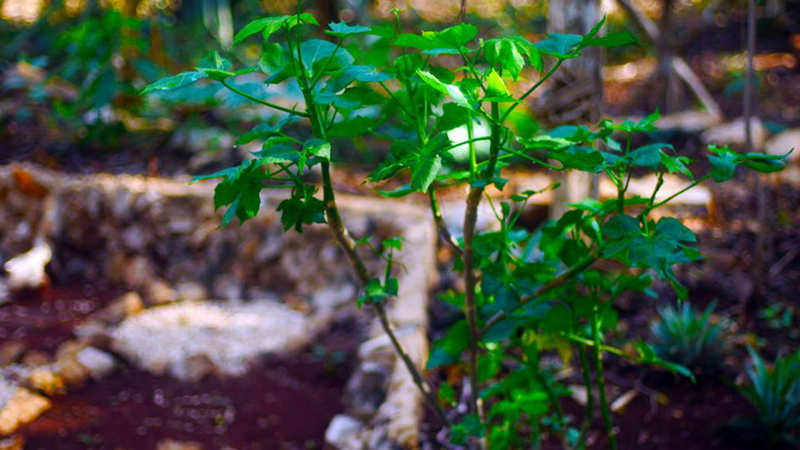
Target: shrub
{"type": "Point", "coordinates": [525, 292]}
{"type": "Point", "coordinates": [685, 336]}
{"type": "Point", "coordinates": [775, 394]}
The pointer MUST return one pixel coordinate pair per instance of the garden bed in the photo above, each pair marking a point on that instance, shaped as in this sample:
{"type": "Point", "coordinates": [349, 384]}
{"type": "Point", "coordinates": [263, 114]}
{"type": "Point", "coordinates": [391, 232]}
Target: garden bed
{"type": "Point", "coordinates": [160, 241]}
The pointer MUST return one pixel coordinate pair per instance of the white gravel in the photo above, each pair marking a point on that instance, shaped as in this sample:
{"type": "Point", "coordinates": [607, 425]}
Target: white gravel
{"type": "Point", "coordinates": [229, 333]}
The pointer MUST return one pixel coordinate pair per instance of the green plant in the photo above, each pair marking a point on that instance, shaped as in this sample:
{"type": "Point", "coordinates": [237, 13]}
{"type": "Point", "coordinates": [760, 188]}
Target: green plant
{"type": "Point", "coordinates": [685, 336]}
{"type": "Point", "coordinates": [526, 292]}
{"type": "Point", "coordinates": [775, 394]}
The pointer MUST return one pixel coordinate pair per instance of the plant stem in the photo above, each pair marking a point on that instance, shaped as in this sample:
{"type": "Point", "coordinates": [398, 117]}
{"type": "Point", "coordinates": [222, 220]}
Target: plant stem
{"type": "Point", "coordinates": [530, 91]}
{"type": "Point", "coordinates": [587, 381]}
{"type": "Point", "coordinates": [601, 384]}
{"type": "Point", "coordinates": [348, 245]}
{"type": "Point", "coordinates": [441, 226]}
{"type": "Point", "coordinates": [470, 308]}
{"type": "Point", "coordinates": [263, 102]}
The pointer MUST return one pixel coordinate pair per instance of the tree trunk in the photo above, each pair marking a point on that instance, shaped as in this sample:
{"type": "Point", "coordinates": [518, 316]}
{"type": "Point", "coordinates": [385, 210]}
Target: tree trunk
{"type": "Point", "coordinates": [576, 93]}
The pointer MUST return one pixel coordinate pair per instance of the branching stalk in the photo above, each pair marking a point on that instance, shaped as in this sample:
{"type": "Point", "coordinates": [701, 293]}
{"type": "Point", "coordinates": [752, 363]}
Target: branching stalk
{"type": "Point", "coordinates": [565, 276]}
{"type": "Point", "coordinates": [601, 384]}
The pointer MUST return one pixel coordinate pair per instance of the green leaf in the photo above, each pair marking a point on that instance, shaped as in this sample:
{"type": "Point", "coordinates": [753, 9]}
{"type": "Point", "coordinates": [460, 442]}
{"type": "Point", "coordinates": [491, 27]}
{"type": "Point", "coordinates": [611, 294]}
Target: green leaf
{"type": "Point", "coordinates": [316, 53]}
{"type": "Point", "coordinates": [263, 130]}
{"type": "Point", "coordinates": [318, 148]}
{"type": "Point", "coordinates": [674, 229]}
{"type": "Point", "coordinates": [612, 40]}
{"type": "Point", "coordinates": [648, 155]}
{"type": "Point", "coordinates": [764, 163]}
{"type": "Point", "coordinates": [174, 82]}
{"type": "Point", "coordinates": [453, 116]}
{"type": "Point", "coordinates": [723, 163]}
{"type": "Point", "coordinates": [621, 227]}
{"type": "Point", "coordinates": [504, 53]}
{"type": "Point", "coordinates": [364, 74]}
{"type": "Point", "coordinates": [453, 91]}
{"type": "Point", "coordinates": [458, 35]}
{"type": "Point", "coordinates": [342, 29]}
{"type": "Point", "coordinates": [448, 349]}
{"type": "Point", "coordinates": [495, 87]}
{"type": "Point", "coordinates": [214, 61]}
{"type": "Point", "coordinates": [277, 154]}
{"type": "Point", "coordinates": [351, 127]}
{"type": "Point", "coordinates": [269, 25]}
{"type": "Point", "coordinates": [559, 45]}
{"type": "Point", "coordinates": [424, 171]}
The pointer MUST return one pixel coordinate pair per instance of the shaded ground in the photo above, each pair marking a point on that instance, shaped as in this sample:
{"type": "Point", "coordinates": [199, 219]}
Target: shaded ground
{"type": "Point", "coordinates": [283, 402]}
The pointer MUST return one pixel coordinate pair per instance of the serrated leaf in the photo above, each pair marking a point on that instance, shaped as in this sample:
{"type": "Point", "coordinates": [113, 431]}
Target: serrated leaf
{"type": "Point", "coordinates": [453, 91]}
{"type": "Point", "coordinates": [269, 25]}
{"type": "Point", "coordinates": [174, 82]}
{"type": "Point", "coordinates": [495, 86]}
{"type": "Point", "coordinates": [674, 229]}
{"type": "Point", "coordinates": [342, 29]}
{"type": "Point", "coordinates": [351, 127]}
{"type": "Point", "coordinates": [424, 171]}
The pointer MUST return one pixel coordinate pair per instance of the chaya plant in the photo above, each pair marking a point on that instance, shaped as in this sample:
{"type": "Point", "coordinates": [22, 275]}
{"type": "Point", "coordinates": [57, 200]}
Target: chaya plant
{"type": "Point", "coordinates": [526, 293]}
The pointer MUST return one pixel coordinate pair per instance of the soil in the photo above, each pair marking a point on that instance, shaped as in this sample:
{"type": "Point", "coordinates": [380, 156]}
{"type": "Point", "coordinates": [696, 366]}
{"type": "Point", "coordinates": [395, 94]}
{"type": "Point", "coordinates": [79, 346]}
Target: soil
{"type": "Point", "coordinates": [283, 402]}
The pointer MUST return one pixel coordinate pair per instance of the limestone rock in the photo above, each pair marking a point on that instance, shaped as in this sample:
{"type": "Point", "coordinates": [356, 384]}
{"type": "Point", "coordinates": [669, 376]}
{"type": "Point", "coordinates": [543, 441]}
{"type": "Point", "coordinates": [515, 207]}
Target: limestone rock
{"type": "Point", "coordinates": [171, 444]}
{"type": "Point", "coordinates": [732, 133]}
{"type": "Point", "coordinates": [782, 143]}
{"type": "Point", "coordinates": [229, 333]}
{"type": "Point", "coordinates": [46, 380]}
{"type": "Point", "coordinates": [11, 351]}
{"type": "Point", "coordinates": [12, 443]}
{"type": "Point", "coordinates": [688, 121]}
{"type": "Point", "coordinates": [35, 358]}
{"type": "Point", "coordinates": [342, 432]}
{"type": "Point", "coordinates": [159, 292]}
{"type": "Point", "coordinates": [191, 292]}
{"type": "Point", "coordinates": [22, 408]}
{"type": "Point", "coordinates": [366, 389]}
{"type": "Point", "coordinates": [120, 308]}
{"type": "Point", "coordinates": [27, 270]}
{"type": "Point", "coordinates": [98, 362]}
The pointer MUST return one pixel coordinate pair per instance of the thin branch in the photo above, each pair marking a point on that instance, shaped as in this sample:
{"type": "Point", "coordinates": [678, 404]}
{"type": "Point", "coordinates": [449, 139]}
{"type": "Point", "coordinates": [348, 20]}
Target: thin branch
{"type": "Point", "coordinates": [441, 225]}
{"type": "Point", "coordinates": [545, 288]}
{"type": "Point", "coordinates": [263, 102]}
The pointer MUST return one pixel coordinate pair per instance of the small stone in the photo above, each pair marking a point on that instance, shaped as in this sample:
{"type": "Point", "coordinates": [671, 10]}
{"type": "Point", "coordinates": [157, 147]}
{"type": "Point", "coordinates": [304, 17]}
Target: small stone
{"type": "Point", "coordinates": [98, 362]}
{"type": "Point", "coordinates": [191, 292]}
{"type": "Point", "coordinates": [171, 444]}
{"type": "Point", "coordinates": [342, 432]}
{"type": "Point", "coordinates": [120, 308]}
{"type": "Point", "coordinates": [159, 292]}
{"type": "Point", "coordinates": [733, 133]}
{"type": "Point", "coordinates": [782, 143]}
{"type": "Point", "coordinates": [136, 271]}
{"type": "Point", "coordinates": [23, 407]}
{"type": "Point", "coordinates": [35, 358]}
{"type": "Point", "coordinates": [13, 443]}
{"type": "Point", "coordinates": [199, 367]}
{"type": "Point", "coordinates": [366, 389]}
{"type": "Point", "coordinates": [71, 371]}
{"type": "Point", "coordinates": [27, 270]}
{"type": "Point", "coordinates": [46, 380]}
{"type": "Point", "coordinates": [10, 352]}
{"type": "Point", "coordinates": [688, 121]}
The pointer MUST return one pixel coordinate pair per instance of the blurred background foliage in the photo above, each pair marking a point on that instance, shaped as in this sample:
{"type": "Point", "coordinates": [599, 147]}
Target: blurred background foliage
{"type": "Point", "coordinates": [72, 69]}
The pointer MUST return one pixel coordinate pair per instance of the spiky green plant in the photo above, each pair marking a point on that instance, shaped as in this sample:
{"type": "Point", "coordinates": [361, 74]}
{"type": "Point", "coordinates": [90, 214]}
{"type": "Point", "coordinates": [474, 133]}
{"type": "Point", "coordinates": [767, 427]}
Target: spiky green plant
{"type": "Point", "coordinates": [685, 336]}
{"type": "Point", "coordinates": [775, 394]}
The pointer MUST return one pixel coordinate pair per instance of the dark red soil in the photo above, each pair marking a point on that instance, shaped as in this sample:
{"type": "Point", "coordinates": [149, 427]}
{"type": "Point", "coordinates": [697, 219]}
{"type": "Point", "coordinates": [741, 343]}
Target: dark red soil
{"type": "Point", "coordinates": [283, 402]}
{"type": "Point", "coordinates": [44, 319]}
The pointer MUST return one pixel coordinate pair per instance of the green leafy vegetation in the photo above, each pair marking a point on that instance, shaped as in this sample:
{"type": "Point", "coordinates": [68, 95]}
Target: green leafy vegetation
{"type": "Point", "coordinates": [526, 292]}
{"type": "Point", "coordinates": [685, 336]}
{"type": "Point", "coordinates": [774, 392]}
